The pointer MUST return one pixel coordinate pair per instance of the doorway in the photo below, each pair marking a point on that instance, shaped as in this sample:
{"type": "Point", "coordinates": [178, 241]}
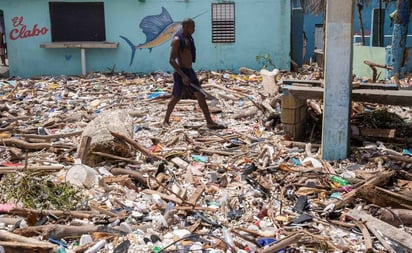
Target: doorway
{"type": "Point", "coordinates": [4, 62]}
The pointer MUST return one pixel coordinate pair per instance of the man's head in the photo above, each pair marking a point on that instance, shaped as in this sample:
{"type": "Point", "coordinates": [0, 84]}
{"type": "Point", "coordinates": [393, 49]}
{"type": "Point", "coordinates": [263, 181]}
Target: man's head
{"type": "Point", "coordinates": [188, 26]}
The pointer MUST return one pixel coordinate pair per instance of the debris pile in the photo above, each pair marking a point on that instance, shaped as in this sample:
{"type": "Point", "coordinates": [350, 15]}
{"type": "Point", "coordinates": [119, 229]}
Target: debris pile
{"type": "Point", "coordinates": [87, 166]}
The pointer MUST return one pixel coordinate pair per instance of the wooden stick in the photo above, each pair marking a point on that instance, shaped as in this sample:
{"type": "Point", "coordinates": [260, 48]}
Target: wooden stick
{"type": "Point", "coordinates": [134, 174]}
{"type": "Point", "coordinates": [52, 136]}
{"type": "Point", "coordinates": [281, 243]}
{"type": "Point", "coordinates": [33, 146]}
{"type": "Point", "coordinates": [252, 232]}
{"type": "Point", "coordinates": [167, 189]}
{"type": "Point", "coordinates": [137, 146]}
{"type": "Point", "coordinates": [164, 196]}
{"type": "Point", "coordinates": [115, 157]}
{"type": "Point", "coordinates": [366, 236]}
{"type": "Point", "coordinates": [212, 151]}
{"type": "Point", "coordinates": [400, 158]}
{"type": "Point", "coordinates": [299, 144]}
{"type": "Point", "coordinates": [13, 169]}
{"type": "Point", "coordinates": [77, 214]}
{"type": "Point", "coordinates": [244, 237]}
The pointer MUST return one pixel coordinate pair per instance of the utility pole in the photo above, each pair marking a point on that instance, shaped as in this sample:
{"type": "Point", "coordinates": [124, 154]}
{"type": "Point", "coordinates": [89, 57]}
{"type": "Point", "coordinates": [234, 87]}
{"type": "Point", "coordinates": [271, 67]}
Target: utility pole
{"type": "Point", "coordinates": [338, 79]}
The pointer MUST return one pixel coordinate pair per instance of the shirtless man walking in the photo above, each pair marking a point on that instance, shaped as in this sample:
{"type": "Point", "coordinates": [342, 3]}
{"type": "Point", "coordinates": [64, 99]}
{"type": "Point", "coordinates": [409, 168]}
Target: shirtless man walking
{"type": "Point", "coordinates": [182, 55]}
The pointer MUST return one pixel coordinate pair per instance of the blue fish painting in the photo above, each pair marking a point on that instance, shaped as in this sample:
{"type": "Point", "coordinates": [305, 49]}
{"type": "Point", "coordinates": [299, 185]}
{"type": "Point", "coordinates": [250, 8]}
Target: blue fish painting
{"type": "Point", "coordinates": [157, 28]}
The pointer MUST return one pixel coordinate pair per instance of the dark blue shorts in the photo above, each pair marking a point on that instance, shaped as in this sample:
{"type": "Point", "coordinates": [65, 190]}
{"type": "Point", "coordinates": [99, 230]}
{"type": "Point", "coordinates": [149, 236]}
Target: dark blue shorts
{"type": "Point", "coordinates": [179, 89]}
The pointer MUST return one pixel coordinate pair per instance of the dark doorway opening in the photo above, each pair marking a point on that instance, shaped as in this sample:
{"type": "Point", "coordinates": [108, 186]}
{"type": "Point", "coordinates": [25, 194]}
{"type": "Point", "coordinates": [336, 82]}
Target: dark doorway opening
{"type": "Point", "coordinates": [4, 63]}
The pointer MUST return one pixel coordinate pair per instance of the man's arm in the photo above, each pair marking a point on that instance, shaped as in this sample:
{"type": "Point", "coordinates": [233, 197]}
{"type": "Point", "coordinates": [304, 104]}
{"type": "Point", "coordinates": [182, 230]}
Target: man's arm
{"type": "Point", "coordinates": [174, 53]}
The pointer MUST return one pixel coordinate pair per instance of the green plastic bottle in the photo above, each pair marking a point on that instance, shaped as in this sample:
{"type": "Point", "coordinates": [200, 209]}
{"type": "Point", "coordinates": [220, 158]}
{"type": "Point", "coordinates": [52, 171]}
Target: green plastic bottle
{"type": "Point", "coordinates": [339, 180]}
{"type": "Point", "coordinates": [157, 249]}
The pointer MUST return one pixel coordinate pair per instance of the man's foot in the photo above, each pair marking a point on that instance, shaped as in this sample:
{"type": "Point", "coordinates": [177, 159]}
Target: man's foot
{"type": "Point", "coordinates": [215, 126]}
{"type": "Point", "coordinates": [165, 124]}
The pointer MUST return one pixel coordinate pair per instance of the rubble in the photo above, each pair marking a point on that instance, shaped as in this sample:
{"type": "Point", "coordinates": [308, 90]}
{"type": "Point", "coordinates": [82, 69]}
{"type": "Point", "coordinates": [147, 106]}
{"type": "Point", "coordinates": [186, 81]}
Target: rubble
{"type": "Point", "coordinates": [87, 166]}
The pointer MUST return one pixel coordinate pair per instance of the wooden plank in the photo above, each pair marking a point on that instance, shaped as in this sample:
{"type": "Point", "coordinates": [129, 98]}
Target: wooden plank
{"type": "Point", "coordinates": [381, 86]}
{"type": "Point", "coordinates": [388, 97]}
{"type": "Point", "coordinates": [84, 148]}
{"type": "Point", "coordinates": [196, 195]}
{"type": "Point", "coordinates": [163, 196]}
{"type": "Point", "coordinates": [297, 81]}
{"type": "Point", "coordinates": [395, 234]}
{"type": "Point", "coordinates": [382, 133]}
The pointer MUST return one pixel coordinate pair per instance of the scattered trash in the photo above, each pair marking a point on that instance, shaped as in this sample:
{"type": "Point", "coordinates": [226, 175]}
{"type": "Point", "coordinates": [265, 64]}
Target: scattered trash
{"type": "Point", "coordinates": [86, 165]}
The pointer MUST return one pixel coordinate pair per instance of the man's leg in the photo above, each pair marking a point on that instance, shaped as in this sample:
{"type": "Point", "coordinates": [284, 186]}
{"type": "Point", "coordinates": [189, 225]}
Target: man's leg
{"type": "Point", "coordinates": [205, 108]}
{"type": "Point", "coordinates": [170, 106]}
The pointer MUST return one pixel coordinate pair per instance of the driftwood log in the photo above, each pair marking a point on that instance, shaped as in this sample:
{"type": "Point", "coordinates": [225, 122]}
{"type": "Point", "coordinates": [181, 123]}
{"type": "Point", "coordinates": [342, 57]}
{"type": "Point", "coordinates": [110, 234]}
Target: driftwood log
{"type": "Point", "coordinates": [396, 217]}
{"type": "Point", "coordinates": [32, 146]}
{"type": "Point", "coordinates": [20, 244]}
{"type": "Point", "coordinates": [96, 137]}
{"type": "Point", "coordinates": [57, 231]}
{"type": "Point", "coordinates": [382, 197]}
{"type": "Point", "coordinates": [75, 214]}
{"type": "Point", "coordinates": [24, 247]}
{"type": "Point", "coordinates": [14, 169]}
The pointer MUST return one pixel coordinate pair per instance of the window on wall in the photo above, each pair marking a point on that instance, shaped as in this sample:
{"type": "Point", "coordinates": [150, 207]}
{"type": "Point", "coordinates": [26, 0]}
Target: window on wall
{"type": "Point", "coordinates": [223, 22]}
{"type": "Point", "coordinates": [77, 21]}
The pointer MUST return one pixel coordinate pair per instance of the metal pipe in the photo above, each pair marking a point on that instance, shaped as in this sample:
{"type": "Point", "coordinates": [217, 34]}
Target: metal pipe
{"type": "Point", "coordinates": [83, 59]}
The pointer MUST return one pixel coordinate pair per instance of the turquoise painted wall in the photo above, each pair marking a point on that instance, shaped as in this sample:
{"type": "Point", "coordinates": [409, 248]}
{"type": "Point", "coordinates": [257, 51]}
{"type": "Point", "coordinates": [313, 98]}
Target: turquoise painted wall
{"type": "Point", "coordinates": [261, 27]}
{"type": "Point", "coordinates": [373, 54]}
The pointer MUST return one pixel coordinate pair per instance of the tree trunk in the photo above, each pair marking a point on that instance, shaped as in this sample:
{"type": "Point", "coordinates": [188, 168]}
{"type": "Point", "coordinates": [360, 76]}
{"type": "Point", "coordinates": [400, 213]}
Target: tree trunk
{"type": "Point", "coordinates": [400, 30]}
{"type": "Point", "coordinates": [98, 136]}
{"type": "Point", "coordinates": [360, 7]}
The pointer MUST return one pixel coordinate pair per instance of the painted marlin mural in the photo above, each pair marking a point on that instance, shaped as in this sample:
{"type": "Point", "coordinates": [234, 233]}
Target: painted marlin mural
{"type": "Point", "coordinates": [157, 28]}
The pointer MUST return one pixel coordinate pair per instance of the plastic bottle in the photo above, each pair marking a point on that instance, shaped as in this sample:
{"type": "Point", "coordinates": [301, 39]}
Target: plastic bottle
{"type": "Point", "coordinates": [228, 237]}
{"type": "Point", "coordinates": [59, 250]}
{"type": "Point", "coordinates": [156, 249]}
{"type": "Point", "coordinates": [339, 180]}
{"type": "Point", "coordinates": [200, 158]}
{"type": "Point", "coordinates": [85, 239]}
{"type": "Point", "coordinates": [99, 245]}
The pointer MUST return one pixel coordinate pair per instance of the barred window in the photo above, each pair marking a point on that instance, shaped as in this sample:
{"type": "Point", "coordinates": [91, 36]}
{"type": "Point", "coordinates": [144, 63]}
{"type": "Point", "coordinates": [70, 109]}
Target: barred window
{"type": "Point", "coordinates": [223, 22]}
